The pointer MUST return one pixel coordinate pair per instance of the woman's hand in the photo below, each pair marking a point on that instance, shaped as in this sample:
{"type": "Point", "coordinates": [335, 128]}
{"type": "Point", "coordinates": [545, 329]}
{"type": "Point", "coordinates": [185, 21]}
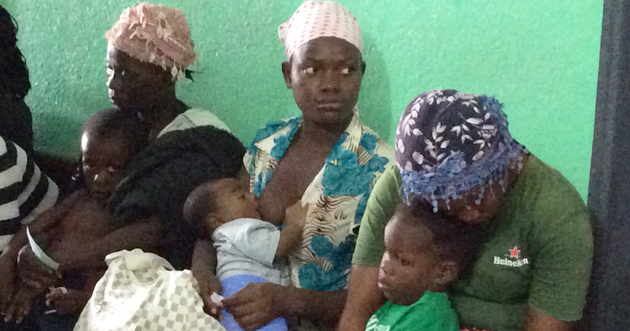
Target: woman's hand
{"type": "Point", "coordinates": [295, 215]}
{"type": "Point", "coordinates": [34, 273]}
{"type": "Point", "coordinates": [70, 302]}
{"type": "Point", "coordinates": [7, 281]}
{"type": "Point", "coordinates": [19, 307]}
{"type": "Point", "coordinates": [257, 304]}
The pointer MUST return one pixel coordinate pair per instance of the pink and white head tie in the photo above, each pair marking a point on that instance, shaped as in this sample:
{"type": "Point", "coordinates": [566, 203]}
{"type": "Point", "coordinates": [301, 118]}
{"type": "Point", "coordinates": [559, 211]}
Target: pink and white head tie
{"type": "Point", "coordinates": [155, 34]}
{"type": "Point", "coordinates": [315, 19]}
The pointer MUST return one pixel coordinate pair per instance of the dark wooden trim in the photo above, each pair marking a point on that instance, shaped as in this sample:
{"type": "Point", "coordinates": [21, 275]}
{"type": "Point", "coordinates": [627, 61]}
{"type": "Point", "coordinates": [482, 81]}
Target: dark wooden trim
{"type": "Point", "coordinates": [609, 186]}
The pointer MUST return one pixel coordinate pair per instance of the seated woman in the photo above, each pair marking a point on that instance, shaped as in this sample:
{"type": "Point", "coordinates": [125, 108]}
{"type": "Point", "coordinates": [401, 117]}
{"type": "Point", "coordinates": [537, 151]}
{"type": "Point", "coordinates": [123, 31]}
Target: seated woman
{"type": "Point", "coordinates": [149, 49]}
{"type": "Point", "coordinates": [325, 157]}
{"type": "Point", "coordinates": [455, 156]}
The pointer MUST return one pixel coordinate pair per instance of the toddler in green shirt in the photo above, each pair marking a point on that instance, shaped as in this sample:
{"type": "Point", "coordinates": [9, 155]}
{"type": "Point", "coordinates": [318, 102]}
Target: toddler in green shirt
{"type": "Point", "coordinates": [424, 253]}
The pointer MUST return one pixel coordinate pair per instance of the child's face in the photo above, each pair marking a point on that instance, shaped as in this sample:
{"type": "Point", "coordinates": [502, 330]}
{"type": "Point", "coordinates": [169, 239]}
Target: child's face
{"type": "Point", "coordinates": [325, 76]}
{"type": "Point", "coordinates": [233, 201]}
{"type": "Point", "coordinates": [103, 162]}
{"type": "Point", "coordinates": [408, 267]}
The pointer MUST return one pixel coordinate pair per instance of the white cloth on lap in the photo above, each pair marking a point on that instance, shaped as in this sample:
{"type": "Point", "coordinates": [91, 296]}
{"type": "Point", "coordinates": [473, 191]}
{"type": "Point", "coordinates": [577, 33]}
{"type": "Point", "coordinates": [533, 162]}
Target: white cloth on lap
{"type": "Point", "coordinates": [141, 292]}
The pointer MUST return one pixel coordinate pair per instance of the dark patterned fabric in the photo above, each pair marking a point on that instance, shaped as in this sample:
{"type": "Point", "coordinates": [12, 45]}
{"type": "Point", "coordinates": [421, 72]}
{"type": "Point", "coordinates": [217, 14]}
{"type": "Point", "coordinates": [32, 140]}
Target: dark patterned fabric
{"type": "Point", "coordinates": [449, 143]}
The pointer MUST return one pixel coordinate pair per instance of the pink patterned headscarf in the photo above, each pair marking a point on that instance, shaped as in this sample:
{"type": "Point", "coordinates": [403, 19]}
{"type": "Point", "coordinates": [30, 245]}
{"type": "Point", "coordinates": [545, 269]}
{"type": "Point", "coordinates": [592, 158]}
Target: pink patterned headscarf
{"type": "Point", "coordinates": [315, 19]}
{"type": "Point", "coordinates": [155, 34]}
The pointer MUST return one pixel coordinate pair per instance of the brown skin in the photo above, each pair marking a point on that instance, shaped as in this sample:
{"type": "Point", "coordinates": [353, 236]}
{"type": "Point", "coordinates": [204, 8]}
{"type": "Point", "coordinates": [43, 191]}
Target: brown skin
{"type": "Point", "coordinates": [538, 321]}
{"type": "Point", "coordinates": [42, 275]}
{"type": "Point", "coordinates": [72, 302]}
{"type": "Point", "coordinates": [410, 265]}
{"type": "Point", "coordinates": [133, 86]}
{"type": "Point", "coordinates": [326, 97]}
{"type": "Point", "coordinates": [325, 76]}
{"type": "Point", "coordinates": [365, 297]}
{"type": "Point", "coordinates": [103, 162]}
{"type": "Point", "coordinates": [79, 220]}
{"type": "Point", "coordinates": [291, 234]}
{"type": "Point", "coordinates": [204, 264]}
{"type": "Point", "coordinates": [9, 273]}
{"type": "Point", "coordinates": [58, 168]}
{"type": "Point", "coordinates": [142, 88]}
{"type": "Point", "coordinates": [234, 201]}
{"type": "Point", "coordinates": [409, 268]}
{"type": "Point", "coordinates": [466, 210]}
{"type": "Point", "coordinates": [149, 91]}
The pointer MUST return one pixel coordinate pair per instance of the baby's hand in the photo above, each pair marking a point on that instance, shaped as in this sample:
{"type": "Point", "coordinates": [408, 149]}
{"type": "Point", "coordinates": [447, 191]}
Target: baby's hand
{"type": "Point", "coordinates": [296, 215]}
{"type": "Point", "coordinates": [213, 307]}
{"type": "Point", "coordinates": [209, 287]}
{"type": "Point", "coordinates": [67, 302]}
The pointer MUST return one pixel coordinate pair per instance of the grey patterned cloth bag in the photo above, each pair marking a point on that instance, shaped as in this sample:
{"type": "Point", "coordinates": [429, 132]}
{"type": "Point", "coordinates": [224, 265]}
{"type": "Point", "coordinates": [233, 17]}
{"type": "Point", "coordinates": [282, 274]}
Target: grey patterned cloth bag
{"type": "Point", "coordinates": [141, 292]}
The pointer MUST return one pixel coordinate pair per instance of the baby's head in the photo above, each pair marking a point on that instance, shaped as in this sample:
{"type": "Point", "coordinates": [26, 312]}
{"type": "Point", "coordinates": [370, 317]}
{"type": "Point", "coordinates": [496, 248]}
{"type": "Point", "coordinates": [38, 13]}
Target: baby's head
{"type": "Point", "coordinates": [109, 140]}
{"type": "Point", "coordinates": [217, 202]}
{"type": "Point", "coordinates": [423, 252]}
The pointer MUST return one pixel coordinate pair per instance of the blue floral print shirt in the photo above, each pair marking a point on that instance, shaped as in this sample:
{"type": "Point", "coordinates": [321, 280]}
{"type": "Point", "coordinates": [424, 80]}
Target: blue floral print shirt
{"type": "Point", "coordinates": [337, 197]}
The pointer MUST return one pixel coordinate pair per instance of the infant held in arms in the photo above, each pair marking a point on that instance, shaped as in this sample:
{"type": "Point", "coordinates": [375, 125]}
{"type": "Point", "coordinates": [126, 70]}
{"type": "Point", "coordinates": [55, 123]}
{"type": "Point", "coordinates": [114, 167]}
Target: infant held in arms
{"type": "Point", "coordinates": [249, 250]}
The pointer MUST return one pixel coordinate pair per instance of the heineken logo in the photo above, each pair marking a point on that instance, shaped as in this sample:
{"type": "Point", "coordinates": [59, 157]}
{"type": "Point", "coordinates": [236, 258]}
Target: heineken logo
{"type": "Point", "coordinates": [511, 260]}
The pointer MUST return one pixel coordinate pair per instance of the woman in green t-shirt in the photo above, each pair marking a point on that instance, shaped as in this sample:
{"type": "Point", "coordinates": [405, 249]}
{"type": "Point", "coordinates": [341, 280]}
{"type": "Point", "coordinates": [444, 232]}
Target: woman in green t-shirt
{"type": "Point", "coordinates": [455, 156]}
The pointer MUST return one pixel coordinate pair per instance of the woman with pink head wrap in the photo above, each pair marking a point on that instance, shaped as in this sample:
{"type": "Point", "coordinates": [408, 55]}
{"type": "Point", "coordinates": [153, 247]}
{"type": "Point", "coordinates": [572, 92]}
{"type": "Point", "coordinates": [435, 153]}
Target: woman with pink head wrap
{"type": "Point", "coordinates": [326, 158]}
{"type": "Point", "coordinates": [149, 49]}
{"type": "Point", "coordinates": [154, 34]}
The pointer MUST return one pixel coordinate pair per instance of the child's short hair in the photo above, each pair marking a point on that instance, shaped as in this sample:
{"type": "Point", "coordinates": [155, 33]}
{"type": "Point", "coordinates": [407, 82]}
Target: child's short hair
{"type": "Point", "coordinates": [198, 205]}
{"type": "Point", "coordinates": [114, 123]}
{"type": "Point", "coordinates": [452, 239]}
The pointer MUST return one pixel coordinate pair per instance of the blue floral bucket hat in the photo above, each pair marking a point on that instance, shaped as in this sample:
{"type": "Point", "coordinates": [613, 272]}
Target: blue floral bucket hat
{"type": "Point", "coordinates": [451, 145]}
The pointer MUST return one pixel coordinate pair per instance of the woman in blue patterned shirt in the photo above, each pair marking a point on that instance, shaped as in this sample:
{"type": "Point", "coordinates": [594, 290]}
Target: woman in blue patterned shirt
{"type": "Point", "coordinates": [326, 158]}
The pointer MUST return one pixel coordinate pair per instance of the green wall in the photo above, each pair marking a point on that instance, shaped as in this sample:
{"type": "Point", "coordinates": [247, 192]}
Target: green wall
{"type": "Point", "coordinates": [538, 57]}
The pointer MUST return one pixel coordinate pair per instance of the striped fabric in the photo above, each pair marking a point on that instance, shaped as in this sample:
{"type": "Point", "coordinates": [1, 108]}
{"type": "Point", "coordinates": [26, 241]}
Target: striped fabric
{"type": "Point", "coordinates": [24, 191]}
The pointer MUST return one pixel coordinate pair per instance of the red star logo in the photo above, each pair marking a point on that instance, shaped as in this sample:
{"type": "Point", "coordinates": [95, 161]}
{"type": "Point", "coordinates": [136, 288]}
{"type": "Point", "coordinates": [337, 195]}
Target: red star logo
{"type": "Point", "coordinates": [514, 252]}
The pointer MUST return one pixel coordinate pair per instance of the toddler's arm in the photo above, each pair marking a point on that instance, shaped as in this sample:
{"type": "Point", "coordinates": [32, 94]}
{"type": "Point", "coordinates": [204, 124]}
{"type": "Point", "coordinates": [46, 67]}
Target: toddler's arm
{"type": "Point", "coordinates": [49, 219]}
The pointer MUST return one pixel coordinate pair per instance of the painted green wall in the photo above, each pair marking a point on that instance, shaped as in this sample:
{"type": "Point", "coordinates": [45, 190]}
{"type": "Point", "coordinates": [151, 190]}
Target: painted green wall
{"type": "Point", "coordinates": [538, 57]}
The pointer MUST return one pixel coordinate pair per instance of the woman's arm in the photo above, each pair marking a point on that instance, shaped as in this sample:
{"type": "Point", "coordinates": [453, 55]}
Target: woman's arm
{"type": "Point", "coordinates": [364, 298]}
{"type": "Point", "coordinates": [260, 303]}
{"type": "Point", "coordinates": [538, 321]}
{"type": "Point", "coordinates": [320, 307]}
{"type": "Point", "coordinates": [8, 269]}
{"type": "Point", "coordinates": [9, 257]}
{"type": "Point", "coordinates": [144, 234]}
